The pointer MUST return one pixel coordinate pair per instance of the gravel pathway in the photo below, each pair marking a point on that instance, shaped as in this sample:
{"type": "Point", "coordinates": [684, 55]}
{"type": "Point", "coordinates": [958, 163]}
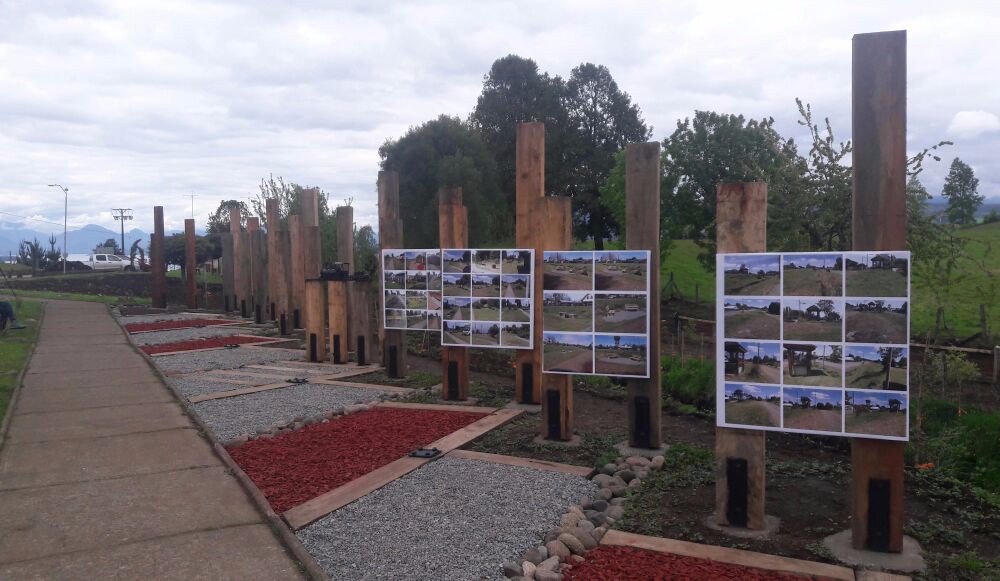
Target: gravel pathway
{"type": "Point", "coordinates": [449, 520]}
{"type": "Point", "coordinates": [175, 335]}
{"type": "Point", "coordinates": [192, 387]}
{"type": "Point", "coordinates": [244, 415]}
{"type": "Point", "coordinates": [224, 359]}
{"type": "Point", "coordinates": [125, 320]}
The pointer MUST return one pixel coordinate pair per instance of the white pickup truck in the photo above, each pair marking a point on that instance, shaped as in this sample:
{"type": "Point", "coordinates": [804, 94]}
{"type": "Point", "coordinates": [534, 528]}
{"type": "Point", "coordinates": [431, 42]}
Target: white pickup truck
{"type": "Point", "coordinates": [98, 262]}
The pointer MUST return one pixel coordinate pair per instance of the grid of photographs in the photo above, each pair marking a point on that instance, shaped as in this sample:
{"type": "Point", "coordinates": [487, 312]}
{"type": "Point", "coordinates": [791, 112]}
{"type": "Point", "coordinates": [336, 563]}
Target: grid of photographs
{"type": "Point", "coordinates": [595, 313]}
{"type": "Point", "coordinates": [486, 298]}
{"type": "Point", "coordinates": [411, 283]}
{"type": "Point", "coordinates": [814, 343]}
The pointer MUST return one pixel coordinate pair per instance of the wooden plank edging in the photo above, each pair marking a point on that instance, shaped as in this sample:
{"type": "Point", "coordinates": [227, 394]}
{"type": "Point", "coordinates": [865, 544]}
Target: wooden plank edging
{"type": "Point", "coordinates": [523, 462]}
{"type": "Point", "coordinates": [238, 392]}
{"type": "Point", "coordinates": [440, 407]}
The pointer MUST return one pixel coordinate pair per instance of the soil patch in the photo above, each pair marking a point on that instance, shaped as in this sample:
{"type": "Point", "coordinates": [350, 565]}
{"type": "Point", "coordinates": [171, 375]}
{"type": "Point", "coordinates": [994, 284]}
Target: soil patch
{"type": "Point", "coordinates": [202, 344]}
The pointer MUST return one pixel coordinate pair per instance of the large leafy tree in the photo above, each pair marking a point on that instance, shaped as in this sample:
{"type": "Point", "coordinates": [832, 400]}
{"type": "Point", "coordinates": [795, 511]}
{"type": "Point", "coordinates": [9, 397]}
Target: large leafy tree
{"type": "Point", "coordinates": [604, 120]}
{"type": "Point", "coordinates": [446, 152]}
{"type": "Point", "coordinates": [218, 221]}
{"type": "Point", "coordinates": [961, 188]}
{"type": "Point", "coordinates": [289, 196]}
{"type": "Point", "coordinates": [515, 91]}
{"type": "Point", "coordinates": [205, 248]}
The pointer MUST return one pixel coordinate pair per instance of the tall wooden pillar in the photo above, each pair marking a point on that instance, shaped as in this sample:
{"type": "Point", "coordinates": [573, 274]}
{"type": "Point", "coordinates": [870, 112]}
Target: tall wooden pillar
{"type": "Point", "coordinates": [390, 233]}
{"type": "Point", "coordinates": [190, 266]}
{"type": "Point", "coordinates": [344, 216]}
{"type": "Point", "coordinates": [297, 272]}
{"type": "Point", "coordinates": [555, 232]}
{"type": "Point", "coordinates": [228, 271]}
{"type": "Point", "coordinates": [336, 301]}
{"type": "Point", "coordinates": [257, 265]}
{"type": "Point", "coordinates": [642, 232]}
{"type": "Point", "coordinates": [359, 321]}
{"type": "Point", "coordinates": [879, 223]}
{"type": "Point", "coordinates": [315, 316]}
{"type": "Point", "coordinates": [453, 228]}
{"type": "Point", "coordinates": [277, 279]}
{"type": "Point", "coordinates": [156, 261]}
{"type": "Point", "coordinates": [239, 266]}
{"type": "Point", "coordinates": [530, 190]}
{"type": "Point", "coordinates": [741, 226]}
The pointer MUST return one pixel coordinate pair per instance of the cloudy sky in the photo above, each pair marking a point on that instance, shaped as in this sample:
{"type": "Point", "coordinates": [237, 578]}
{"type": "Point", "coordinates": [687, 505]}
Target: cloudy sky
{"type": "Point", "coordinates": [143, 103]}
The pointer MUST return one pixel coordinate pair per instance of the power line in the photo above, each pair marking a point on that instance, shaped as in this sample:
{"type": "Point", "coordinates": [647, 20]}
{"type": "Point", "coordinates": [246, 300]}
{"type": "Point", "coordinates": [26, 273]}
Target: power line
{"type": "Point", "coordinates": [83, 228]}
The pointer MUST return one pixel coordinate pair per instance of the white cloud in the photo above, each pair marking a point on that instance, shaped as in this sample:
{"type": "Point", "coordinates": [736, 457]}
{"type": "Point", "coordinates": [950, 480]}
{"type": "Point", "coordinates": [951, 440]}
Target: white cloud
{"type": "Point", "coordinates": [972, 124]}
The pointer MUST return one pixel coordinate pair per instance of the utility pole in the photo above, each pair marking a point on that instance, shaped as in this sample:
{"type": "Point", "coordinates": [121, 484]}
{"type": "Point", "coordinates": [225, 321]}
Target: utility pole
{"type": "Point", "coordinates": [192, 196]}
{"type": "Point", "coordinates": [65, 217]}
{"type": "Point", "coordinates": [122, 214]}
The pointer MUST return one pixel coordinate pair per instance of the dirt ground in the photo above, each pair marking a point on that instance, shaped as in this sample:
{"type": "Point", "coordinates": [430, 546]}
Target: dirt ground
{"type": "Point", "coordinates": [809, 282]}
{"type": "Point", "coordinates": [868, 327]}
{"type": "Point", "coordinates": [752, 324]}
{"type": "Point", "coordinates": [752, 285]}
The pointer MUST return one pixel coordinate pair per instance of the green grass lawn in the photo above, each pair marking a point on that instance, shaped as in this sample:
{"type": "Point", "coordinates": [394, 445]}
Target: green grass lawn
{"type": "Point", "coordinates": [15, 347]}
{"type": "Point", "coordinates": [111, 300]}
{"type": "Point", "coordinates": [682, 261]}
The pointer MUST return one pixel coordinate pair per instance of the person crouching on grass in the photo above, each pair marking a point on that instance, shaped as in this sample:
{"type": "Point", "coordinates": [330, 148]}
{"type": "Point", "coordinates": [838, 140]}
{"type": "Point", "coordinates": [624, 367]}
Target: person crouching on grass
{"type": "Point", "coordinates": [7, 314]}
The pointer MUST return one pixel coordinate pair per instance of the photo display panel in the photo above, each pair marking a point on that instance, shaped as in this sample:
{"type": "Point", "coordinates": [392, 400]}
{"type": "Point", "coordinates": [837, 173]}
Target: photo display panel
{"type": "Point", "coordinates": [487, 298]}
{"type": "Point", "coordinates": [595, 308]}
{"type": "Point", "coordinates": [814, 343]}
{"type": "Point", "coordinates": [411, 283]}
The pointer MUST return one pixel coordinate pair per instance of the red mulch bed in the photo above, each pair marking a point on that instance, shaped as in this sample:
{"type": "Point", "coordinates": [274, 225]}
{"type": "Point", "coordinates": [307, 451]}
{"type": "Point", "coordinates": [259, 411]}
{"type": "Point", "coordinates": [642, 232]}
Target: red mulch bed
{"type": "Point", "coordinates": [202, 344]}
{"type": "Point", "coordinates": [613, 563]}
{"type": "Point", "coordinates": [182, 324]}
{"type": "Point", "coordinates": [294, 467]}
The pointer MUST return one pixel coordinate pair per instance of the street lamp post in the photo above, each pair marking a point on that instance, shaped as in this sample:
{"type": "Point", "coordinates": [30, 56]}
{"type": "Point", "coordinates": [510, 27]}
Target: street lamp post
{"type": "Point", "coordinates": [65, 216]}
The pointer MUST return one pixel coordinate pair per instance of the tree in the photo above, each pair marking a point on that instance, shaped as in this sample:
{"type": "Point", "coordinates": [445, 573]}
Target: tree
{"type": "Point", "coordinates": [514, 91]}
{"type": "Point", "coordinates": [961, 188]}
{"type": "Point", "coordinates": [205, 248]}
{"type": "Point", "coordinates": [53, 255]}
{"type": "Point", "coordinates": [366, 251]}
{"type": "Point", "coordinates": [445, 152]}
{"type": "Point", "coordinates": [604, 121]}
{"type": "Point", "coordinates": [218, 221]}
{"type": "Point", "coordinates": [993, 216]}
{"type": "Point", "coordinates": [289, 196]}
{"type": "Point", "coordinates": [31, 253]}
{"type": "Point", "coordinates": [111, 243]}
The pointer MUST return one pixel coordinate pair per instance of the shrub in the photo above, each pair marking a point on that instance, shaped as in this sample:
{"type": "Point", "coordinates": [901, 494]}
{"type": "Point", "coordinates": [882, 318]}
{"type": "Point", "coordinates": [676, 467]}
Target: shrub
{"type": "Point", "coordinates": [690, 381]}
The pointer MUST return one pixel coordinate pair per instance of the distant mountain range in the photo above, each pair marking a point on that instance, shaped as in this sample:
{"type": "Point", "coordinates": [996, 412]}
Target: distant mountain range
{"type": "Point", "coordinates": [79, 240]}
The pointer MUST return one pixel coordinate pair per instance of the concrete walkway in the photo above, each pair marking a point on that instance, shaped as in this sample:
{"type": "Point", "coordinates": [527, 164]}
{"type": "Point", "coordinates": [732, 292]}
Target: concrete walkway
{"type": "Point", "coordinates": [103, 476]}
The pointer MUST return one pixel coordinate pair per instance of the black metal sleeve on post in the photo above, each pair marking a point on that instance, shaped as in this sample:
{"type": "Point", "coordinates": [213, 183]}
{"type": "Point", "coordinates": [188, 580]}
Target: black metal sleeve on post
{"type": "Point", "coordinates": [737, 477]}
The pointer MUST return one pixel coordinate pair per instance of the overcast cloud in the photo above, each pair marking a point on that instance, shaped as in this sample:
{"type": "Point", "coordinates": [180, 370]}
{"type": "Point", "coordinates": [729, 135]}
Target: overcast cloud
{"type": "Point", "coordinates": [141, 103]}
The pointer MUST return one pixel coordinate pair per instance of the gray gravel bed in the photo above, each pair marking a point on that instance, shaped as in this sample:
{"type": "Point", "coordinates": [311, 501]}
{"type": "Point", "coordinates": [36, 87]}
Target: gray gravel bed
{"type": "Point", "coordinates": [245, 415]}
{"type": "Point", "coordinates": [449, 520]}
{"type": "Point", "coordinates": [223, 359]}
{"type": "Point", "coordinates": [175, 335]}
{"type": "Point", "coordinates": [192, 387]}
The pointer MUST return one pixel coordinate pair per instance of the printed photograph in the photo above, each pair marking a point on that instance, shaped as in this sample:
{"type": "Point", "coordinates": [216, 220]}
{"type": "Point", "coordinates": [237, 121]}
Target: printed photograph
{"type": "Point", "coordinates": [393, 260]}
{"type": "Point", "coordinates": [620, 270]}
{"type": "Point", "coordinates": [753, 405]}
{"type": "Point", "coordinates": [486, 334]}
{"type": "Point", "coordinates": [620, 355]}
{"type": "Point", "coordinates": [753, 361]}
{"type": "Point", "coordinates": [486, 261]}
{"type": "Point", "coordinates": [516, 310]}
{"type": "Point", "coordinates": [876, 274]}
{"type": "Point", "coordinates": [751, 318]}
{"type": "Point", "coordinates": [814, 275]}
{"type": "Point", "coordinates": [485, 309]}
{"type": "Point", "coordinates": [456, 309]}
{"type": "Point", "coordinates": [395, 319]}
{"type": "Point", "coordinates": [457, 284]}
{"type": "Point", "coordinates": [395, 279]}
{"type": "Point", "coordinates": [434, 321]}
{"type": "Point", "coordinates": [395, 299]}
{"type": "Point", "coordinates": [486, 285]}
{"type": "Point", "coordinates": [812, 409]}
{"type": "Point", "coordinates": [433, 280]}
{"type": "Point", "coordinates": [434, 301]}
{"type": "Point", "coordinates": [416, 319]}
{"type": "Point", "coordinates": [453, 333]}
{"type": "Point", "coordinates": [416, 280]}
{"type": "Point", "coordinates": [516, 262]}
{"type": "Point", "coordinates": [416, 299]}
{"type": "Point", "coordinates": [516, 286]}
{"type": "Point", "coordinates": [876, 413]}
{"type": "Point", "coordinates": [433, 260]}
{"type": "Point", "coordinates": [752, 275]}
{"type": "Point", "coordinates": [876, 321]}
{"type": "Point", "coordinates": [515, 335]}
{"type": "Point", "coordinates": [812, 364]}
{"type": "Point", "coordinates": [813, 320]}
{"type": "Point", "coordinates": [620, 313]}
{"type": "Point", "coordinates": [875, 367]}
{"type": "Point", "coordinates": [457, 261]}
{"type": "Point", "coordinates": [568, 271]}
{"type": "Point", "coordinates": [416, 260]}
{"type": "Point", "coordinates": [567, 353]}
{"type": "Point", "coordinates": [568, 311]}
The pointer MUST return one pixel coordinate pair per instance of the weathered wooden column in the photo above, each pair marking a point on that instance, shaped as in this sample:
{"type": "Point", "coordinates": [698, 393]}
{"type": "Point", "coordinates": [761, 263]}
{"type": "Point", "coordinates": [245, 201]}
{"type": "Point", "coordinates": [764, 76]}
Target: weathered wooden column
{"type": "Point", "coordinates": [359, 320]}
{"type": "Point", "coordinates": [336, 301]}
{"type": "Point", "coordinates": [642, 232]}
{"type": "Point", "coordinates": [311, 242]}
{"type": "Point", "coordinates": [344, 216]}
{"type": "Point", "coordinates": [879, 223]}
{"type": "Point", "coordinates": [158, 266]}
{"type": "Point", "coordinates": [228, 271]}
{"type": "Point", "coordinates": [555, 232]}
{"type": "Point", "coordinates": [315, 316]}
{"type": "Point", "coordinates": [453, 229]}
{"type": "Point", "coordinates": [257, 268]}
{"type": "Point", "coordinates": [741, 226]}
{"type": "Point", "coordinates": [530, 190]}
{"type": "Point", "coordinates": [277, 266]}
{"type": "Point", "coordinates": [297, 272]}
{"type": "Point", "coordinates": [390, 234]}
{"type": "Point", "coordinates": [239, 274]}
{"type": "Point", "coordinates": [190, 266]}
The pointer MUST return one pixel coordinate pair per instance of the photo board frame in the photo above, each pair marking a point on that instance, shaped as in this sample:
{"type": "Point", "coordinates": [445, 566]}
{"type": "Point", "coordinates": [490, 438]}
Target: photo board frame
{"type": "Point", "coordinates": [411, 288]}
{"type": "Point", "coordinates": [814, 343]}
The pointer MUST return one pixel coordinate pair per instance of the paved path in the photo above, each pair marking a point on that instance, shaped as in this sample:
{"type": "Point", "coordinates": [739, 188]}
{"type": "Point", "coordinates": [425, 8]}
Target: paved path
{"type": "Point", "coordinates": [103, 476]}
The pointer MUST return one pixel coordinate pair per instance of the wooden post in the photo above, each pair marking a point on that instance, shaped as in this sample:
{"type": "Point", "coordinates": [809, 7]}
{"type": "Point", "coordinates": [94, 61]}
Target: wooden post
{"type": "Point", "coordinates": [530, 189]}
{"type": "Point", "coordinates": [257, 264]}
{"type": "Point", "coordinates": [336, 301]}
{"type": "Point", "coordinates": [642, 232]}
{"type": "Point", "coordinates": [344, 216]}
{"type": "Point", "coordinates": [156, 261]}
{"type": "Point", "coordinates": [239, 276]}
{"type": "Point", "coordinates": [879, 223]}
{"type": "Point", "coordinates": [453, 228]}
{"type": "Point", "coordinates": [228, 268]}
{"type": "Point", "coordinates": [390, 233]}
{"type": "Point", "coordinates": [190, 265]}
{"type": "Point", "coordinates": [359, 320]}
{"type": "Point", "coordinates": [741, 226]}
{"type": "Point", "coordinates": [555, 232]}
{"type": "Point", "coordinates": [277, 279]}
{"type": "Point", "coordinates": [315, 316]}
{"type": "Point", "coordinates": [297, 274]}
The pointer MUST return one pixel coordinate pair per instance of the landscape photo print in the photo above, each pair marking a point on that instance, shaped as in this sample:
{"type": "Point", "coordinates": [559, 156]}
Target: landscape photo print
{"type": "Point", "coordinates": [813, 342]}
{"type": "Point", "coordinates": [411, 283]}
